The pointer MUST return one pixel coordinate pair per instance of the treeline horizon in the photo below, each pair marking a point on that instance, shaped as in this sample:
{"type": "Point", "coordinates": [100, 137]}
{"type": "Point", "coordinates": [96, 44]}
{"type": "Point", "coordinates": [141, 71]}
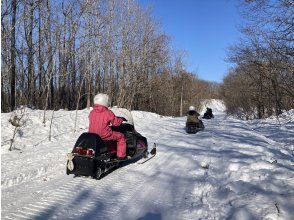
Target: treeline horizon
{"type": "Point", "coordinates": [59, 54]}
{"type": "Point", "coordinates": [261, 84]}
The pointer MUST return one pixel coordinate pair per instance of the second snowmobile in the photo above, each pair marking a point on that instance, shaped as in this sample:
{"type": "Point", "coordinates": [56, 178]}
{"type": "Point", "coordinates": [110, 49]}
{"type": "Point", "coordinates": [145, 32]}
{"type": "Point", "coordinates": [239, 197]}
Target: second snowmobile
{"type": "Point", "coordinates": [194, 127]}
{"type": "Point", "coordinates": [193, 123]}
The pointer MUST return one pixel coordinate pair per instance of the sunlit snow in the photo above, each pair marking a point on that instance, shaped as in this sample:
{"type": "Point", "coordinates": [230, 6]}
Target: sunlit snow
{"type": "Point", "coordinates": [232, 169]}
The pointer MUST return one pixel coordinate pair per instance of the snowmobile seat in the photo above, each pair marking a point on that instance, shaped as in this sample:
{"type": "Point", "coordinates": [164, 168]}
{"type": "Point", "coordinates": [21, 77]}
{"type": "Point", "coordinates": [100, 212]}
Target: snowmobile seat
{"type": "Point", "coordinates": [91, 141]}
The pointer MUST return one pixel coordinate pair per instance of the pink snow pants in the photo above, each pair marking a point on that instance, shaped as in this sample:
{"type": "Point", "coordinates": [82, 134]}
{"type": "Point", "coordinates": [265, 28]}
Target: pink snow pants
{"type": "Point", "coordinates": [121, 143]}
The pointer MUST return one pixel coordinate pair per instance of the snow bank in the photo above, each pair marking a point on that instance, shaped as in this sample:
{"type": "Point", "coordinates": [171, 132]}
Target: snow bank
{"type": "Point", "coordinates": [217, 106]}
{"type": "Point", "coordinates": [145, 115]}
{"type": "Point", "coordinates": [277, 129]}
{"type": "Point", "coordinates": [286, 116]}
{"type": "Point", "coordinates": [32, 131]}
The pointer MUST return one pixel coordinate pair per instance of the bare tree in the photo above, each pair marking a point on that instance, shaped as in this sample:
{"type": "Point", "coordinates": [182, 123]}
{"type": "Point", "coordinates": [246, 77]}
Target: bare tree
{"type": "Point", "coordinates": [13, 55]}
{"type": "Point", "coordinates": [63, 49]}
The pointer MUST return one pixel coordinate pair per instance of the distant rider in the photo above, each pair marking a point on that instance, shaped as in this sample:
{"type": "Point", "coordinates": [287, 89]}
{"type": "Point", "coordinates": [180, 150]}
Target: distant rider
{"type": "Point", "coordinates": [208, 114]}
{"type": "Point", "coordinates": [100, 121]}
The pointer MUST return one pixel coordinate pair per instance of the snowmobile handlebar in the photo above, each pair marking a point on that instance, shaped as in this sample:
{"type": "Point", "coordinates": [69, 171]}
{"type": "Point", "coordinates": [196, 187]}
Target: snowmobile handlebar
{"type": "Point", "coordinates": [123, 118]}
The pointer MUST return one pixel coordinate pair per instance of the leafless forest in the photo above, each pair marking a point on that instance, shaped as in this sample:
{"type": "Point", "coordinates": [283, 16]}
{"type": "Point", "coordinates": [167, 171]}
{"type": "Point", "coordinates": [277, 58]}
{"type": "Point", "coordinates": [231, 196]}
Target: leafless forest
{"type": "Point", "coordinates": [59, 54]}
{"type": "Point", "coordinates": [262, 82]}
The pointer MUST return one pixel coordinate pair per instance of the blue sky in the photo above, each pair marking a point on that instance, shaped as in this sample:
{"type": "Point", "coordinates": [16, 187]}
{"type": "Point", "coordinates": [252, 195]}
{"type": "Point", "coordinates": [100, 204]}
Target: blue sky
{"type": "Point", "coordinates": [203, 28]}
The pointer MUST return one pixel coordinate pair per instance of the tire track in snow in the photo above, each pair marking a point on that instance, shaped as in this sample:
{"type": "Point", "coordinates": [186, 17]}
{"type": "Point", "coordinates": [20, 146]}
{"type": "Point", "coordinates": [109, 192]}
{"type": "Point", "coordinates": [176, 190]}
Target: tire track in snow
{"type": "Point", "coordinates": [100, 189]}
{"type": "Point", "coordinates": [41, 205]}
{"type": "Point", "coordinates": [128, 190]}
{"type": "Point", "coordinates": [158, 192]}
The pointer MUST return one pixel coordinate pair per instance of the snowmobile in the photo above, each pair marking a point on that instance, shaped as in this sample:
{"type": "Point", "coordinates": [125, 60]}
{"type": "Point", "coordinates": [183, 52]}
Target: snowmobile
{"type": "Point", "coordinates": [194, 127]}
{"type": "Point", "coordinates": [91, 156]}
{"type": "Point", "coordinates": [208, 114]}
{"type": "Point", "coordinates": [193, 123]}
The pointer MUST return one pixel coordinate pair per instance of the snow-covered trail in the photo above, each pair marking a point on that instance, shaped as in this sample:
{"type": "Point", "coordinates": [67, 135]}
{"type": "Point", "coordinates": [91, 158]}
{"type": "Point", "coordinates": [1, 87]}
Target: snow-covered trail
{"type": "Point", "coordinates": [231, 170]}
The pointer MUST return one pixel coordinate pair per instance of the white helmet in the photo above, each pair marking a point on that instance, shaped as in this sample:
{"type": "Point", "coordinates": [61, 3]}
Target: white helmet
{"type": "Point", "coordinates": [101, 99]}
{"type": "Point", "coordinates": [192, 108]}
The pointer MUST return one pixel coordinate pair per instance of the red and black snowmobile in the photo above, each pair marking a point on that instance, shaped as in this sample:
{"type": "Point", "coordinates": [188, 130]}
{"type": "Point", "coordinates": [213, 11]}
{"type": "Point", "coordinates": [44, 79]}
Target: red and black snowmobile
{"type": "Point", "coordinates": [91, 156]}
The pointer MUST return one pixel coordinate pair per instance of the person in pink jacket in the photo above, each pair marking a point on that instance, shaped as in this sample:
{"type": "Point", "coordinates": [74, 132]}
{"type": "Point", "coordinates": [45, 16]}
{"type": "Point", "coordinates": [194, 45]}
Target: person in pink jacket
{"type": "Point", "coordinates": [100, 120]}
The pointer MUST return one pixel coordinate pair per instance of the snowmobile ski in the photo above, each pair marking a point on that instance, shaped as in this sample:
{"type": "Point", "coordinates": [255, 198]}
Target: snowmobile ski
{"type": "Point", "coordinates": [152, 152]}
{"type": "Point", "coordinates": [147, 159]}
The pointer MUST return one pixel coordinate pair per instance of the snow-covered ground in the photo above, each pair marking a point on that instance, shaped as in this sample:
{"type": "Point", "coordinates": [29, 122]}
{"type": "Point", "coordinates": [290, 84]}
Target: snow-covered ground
{"type": "Point", "coordinates": [232, 170]}
{"type": "Point", "coordinates": [216, 105]}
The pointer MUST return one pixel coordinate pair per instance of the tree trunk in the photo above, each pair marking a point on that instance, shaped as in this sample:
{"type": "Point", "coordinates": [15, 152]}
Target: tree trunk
{"type": "Point", "coordinates": [31, 80]}
{"type": "Point", "coordinates": [40, 62]}
{"type": "Point", "coordinates": [181, 107]}
{"type": "Point", "coordinates": [12, 51]}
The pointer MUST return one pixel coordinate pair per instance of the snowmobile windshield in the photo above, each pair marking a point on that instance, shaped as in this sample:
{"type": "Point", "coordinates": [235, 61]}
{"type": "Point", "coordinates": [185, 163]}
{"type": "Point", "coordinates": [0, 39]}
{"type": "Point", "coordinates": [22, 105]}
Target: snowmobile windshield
{"type": "Point", "coordinates": [122, 112]}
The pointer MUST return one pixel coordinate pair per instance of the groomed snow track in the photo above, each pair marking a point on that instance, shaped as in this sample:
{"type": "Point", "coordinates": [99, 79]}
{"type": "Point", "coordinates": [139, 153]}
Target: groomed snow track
{"type": "Point", "coordinates": [231, 170]}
